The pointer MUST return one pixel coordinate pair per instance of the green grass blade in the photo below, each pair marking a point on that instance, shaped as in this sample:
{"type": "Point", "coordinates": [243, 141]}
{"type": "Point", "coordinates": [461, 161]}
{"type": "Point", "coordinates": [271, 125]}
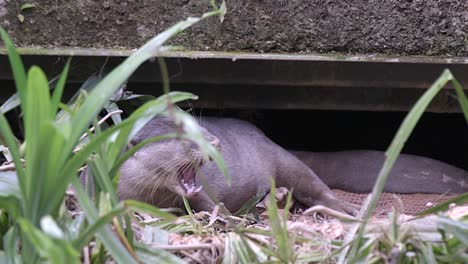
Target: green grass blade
{"type": "Point", "coordinates": [117, 118]}
{"type": "Point", "coordinates": [135, 148]}
{"type": "Point", "coordinates": [72, 165]}
{"type": "Point", "coordinates": [58, 91]}
{"type": "Point", "coordinates": [105, 234]}
{"type": "Point", "coordinates": [11, 205]}
{"type": "Point", "coordinates": [47, 247]}
{"type": "Point", "coordinates": [394, 150]}
{"type": "Point", "coordinates": [10, 194]}
{"type": "Point", "coordinates": [9, 184]}
{"type": "Point", "coordinates": [193, 133]}
{"type": "Point", "coordinates": [187, 207]}
{"type": "Point", "coordinates": [278, 227]}
{"type": "Point", "coordinates": [102, 177]}
{"type": "Point", "coordinates": [456, 228]}
{"type": "Point", "coordinates": [249, 206]}
{"type": "Point", "coordinates": [100, 95]}
{"type": "Point", "coordinates": [143, 115]}
{"type": "Point", "coordinates": [461, 97]}
{"type": "Point", "coordinates": [37, 124]}
{"type": "Point", "coordinates": [11, 103]}
{"type": "Point", "coordinates": [75, 102]}
{"type": "Point", "coordinates": [147, 208]}
{"type": "Point", "coordinates": [9, 138]}
{"type": "Point", "coordinates": [10, 246]}
{"type": "Point", "coordinates": [164, 75]}
{"type": "Point", "coordinates": [458, 200]}
{"type": "Point", "coordinates": [237, 250]}
{"type": "Point", "coordinates": [19, 73]}
{"type": "Point", "coordinates": [86, 235]}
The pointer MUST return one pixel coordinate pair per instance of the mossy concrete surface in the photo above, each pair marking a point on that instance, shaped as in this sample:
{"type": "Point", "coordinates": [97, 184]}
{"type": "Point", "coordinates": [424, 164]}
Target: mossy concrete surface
{"type": "Point", "coordinates": [394, 27]}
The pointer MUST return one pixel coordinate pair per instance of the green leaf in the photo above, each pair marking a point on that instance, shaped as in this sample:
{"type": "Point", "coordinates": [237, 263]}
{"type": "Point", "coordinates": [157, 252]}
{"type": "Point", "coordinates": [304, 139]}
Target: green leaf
{"type": "Point", "coordinates": [27, 6]}
{"type": "Point", "coordinates": [77, 100]}
{"type": "Point", "coordinates": [88, 234]}
{"type": "Point", "coordinates": [58, 91]}
{"type": "Point", "coordinates": [19, 73]}
{"type": "Point", "coordinates": [72, 164]}
{"type": "Point", "coordinates": [50, 227]}
{"type": "Point", "coordinates": [251, 203]}
{"type": "Point", "coordinates": [135, 148]}
{"type": "Point", "coordinates": [140, 117]}
{"type": "Point", "coordinates": [105, 234]}
{"type": "Point", "coordinates": [9, 138]}
{"type": "Point", "coordinates": [101, 176]}
{"type": "Point", "coordinates": [113, 107]}
{"type": "Point", "coordinates": [278, 227]}
{"type": "Point", "coordinates": [11, 103]}
{"type": "Point", "coordinates": [48, 248]}
{"type": "Point", "coordinates": [39, 136]}
{"type": "Point", "coordinates": [150, 209]}
{"type": "Point", "coordinates": [393, 151]}
{"type": "Point", "coordinates": [193, 132]}
{"type": "Point", "coordinates": [458, 200]}
{"type": "Point", "coordinates": [461, 97]}
{"type": "Point", "coordinates": [9, 184]}
{"type": "Point", "coordinates": [5, 151]}
{"type": "Point", "coordinates": [222, 10]}
{"type": "Point", "coordinates": [456, 228]}
{"type": "Point", "coordinates": [10, 246]}
{"type": "Point", "coordinates": [365, 250]}
{"type": "Point", "coordinates": [10, 195]}
{"type": "Point", "coordinates": [100, 95]}
{"type": "Point", "coordinates": [20, 18]}
{"type": "Point", "coordinates": [76, 226]}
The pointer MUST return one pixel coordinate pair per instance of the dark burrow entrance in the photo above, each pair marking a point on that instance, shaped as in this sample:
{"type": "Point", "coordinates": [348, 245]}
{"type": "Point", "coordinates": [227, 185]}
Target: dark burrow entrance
{"type": "Point", "coordinates": [442, 136]}
{"type": "Point", "coordinates": [439, 136]}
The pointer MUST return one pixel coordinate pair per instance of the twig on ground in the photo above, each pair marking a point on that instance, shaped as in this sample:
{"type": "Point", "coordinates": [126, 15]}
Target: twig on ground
{"type": "Point", "coordinates": [202, 246]}
{"type": "Point", "coordinates": [9, 165]}
{"type": "Point", "coordinates": [191, 257]}
{"type": "Point", "coordinates": [102, 120]}
{"type": "Point", "coordinates": [327, 211]}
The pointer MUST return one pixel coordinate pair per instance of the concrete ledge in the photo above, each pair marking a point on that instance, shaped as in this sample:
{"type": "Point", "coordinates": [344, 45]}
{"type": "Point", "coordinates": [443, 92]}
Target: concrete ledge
{"type": "Point", "coordinates": [396, 27]}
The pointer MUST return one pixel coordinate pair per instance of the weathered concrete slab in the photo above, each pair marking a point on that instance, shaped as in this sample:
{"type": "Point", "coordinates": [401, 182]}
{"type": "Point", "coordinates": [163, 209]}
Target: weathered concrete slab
{"type": "Point", "coordinates": [398, 27]}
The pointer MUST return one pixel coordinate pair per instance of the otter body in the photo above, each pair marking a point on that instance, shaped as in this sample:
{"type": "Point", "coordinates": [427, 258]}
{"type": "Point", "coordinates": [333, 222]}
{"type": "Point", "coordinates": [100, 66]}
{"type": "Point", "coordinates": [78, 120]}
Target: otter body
{"type": "Point", "coordinates": [357, 170]}
{"type": "Point", "coordinates": [161, 172]}
{"type": "Point", "coordinates": [156, 173]}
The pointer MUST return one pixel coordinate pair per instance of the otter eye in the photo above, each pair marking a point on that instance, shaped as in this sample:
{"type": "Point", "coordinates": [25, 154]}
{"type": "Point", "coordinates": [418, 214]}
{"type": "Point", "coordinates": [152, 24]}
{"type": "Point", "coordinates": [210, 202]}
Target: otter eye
{"type": "Point", "coordinates": [192, 145]}
{"type": "Point", "coordinates": [187, 144]}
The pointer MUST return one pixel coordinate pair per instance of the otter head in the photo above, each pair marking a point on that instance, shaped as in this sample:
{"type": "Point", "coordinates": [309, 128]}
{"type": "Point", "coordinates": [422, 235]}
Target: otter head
{"type": "Point", "coordinates": [170, 164]}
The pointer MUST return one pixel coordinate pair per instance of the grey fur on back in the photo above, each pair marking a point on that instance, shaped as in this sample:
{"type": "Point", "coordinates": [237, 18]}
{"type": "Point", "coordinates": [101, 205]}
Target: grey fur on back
{"type": "Point", "coordinates": [357, 171]}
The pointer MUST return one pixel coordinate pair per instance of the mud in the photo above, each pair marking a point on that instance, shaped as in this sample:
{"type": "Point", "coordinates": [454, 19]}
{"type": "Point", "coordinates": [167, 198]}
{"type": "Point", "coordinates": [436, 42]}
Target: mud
{"type": "Point", "coordinates": [397, 27]}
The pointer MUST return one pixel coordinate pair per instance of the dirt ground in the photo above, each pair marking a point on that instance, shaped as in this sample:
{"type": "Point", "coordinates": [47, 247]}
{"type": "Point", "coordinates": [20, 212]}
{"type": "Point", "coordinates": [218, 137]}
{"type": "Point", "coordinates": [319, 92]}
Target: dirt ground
{"type": "Point", "coordinates": [397, 27]}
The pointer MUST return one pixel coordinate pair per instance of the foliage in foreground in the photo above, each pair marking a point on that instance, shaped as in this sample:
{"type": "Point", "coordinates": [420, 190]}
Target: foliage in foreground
{"type": "Point", "coordinates": [35, 226]}
{"type": "Point", "coordinates": [392, 153]}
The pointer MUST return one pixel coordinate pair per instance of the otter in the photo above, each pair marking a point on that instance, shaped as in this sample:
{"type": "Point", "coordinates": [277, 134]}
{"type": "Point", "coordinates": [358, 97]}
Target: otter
{"type": "Point", "coordinates": [161, 172]}
{"type": "Point", "coordinates": [357, 170]}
